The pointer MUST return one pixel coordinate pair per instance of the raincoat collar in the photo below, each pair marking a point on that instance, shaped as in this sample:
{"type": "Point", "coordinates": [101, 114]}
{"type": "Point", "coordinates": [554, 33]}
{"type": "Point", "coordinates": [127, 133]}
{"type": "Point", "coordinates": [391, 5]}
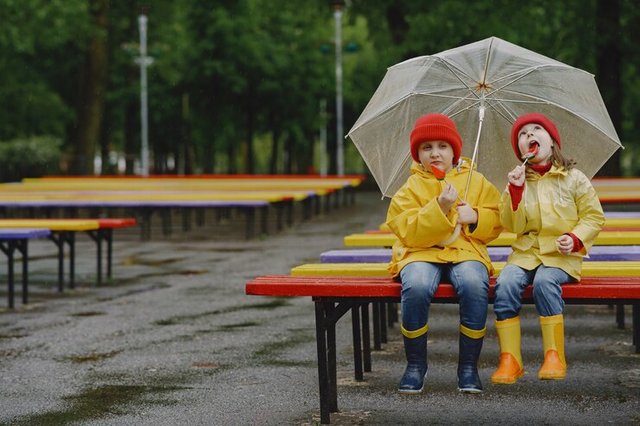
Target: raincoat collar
{"type": "Point", "coordinates": [554, 171]}
{"type": "Point", "coordinates": [463, 166]}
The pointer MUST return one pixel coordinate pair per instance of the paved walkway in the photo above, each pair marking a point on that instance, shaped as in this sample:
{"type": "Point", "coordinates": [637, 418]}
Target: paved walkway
{"type": "Point", "coordinates": [174, 340]}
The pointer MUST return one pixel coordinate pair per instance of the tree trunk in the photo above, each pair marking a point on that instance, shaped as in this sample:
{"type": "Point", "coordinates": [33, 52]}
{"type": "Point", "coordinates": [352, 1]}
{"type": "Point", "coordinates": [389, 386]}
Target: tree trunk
{"type": "Point", "coordinates": [609, 71]}
{"type": "Point", "coordinates": [275, 137]}
{"type": "Point", "coordinates": [90, 107]}
{"type": "Point", "coordinates": [248, 154]}
{"type": "Point", "coordinates": [184, 152]}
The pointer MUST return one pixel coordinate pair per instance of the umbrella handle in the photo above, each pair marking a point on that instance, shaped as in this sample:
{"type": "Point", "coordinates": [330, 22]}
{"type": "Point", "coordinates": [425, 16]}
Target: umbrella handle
{"type": "Point", "coordinates": [452, 237]}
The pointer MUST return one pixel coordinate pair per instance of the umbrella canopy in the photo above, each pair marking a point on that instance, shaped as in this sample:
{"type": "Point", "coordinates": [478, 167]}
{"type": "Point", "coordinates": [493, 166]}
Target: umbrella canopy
{"type": "Point", "coordinates": [483, 86]}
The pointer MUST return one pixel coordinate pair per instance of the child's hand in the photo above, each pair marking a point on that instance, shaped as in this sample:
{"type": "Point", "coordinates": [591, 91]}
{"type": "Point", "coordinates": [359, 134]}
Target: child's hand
{"type": "Point", "coordinates": [447, 198]}
{"type": "Point", "coordinates": [564, 244]}
{"type": "Point", "coordinates": [517, 175]}
{"type": "Point", "coordinates": [466, 214]}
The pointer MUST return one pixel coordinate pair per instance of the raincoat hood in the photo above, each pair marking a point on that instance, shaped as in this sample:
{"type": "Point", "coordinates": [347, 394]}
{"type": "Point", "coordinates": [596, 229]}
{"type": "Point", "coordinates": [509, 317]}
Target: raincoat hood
{"type": "Point", "coordinates": [463, 166]}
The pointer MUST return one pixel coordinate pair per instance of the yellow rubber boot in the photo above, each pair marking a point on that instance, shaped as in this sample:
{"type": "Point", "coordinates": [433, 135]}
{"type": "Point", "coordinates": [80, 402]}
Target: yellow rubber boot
{"type": "Point", "coordinates": [510, 367]}
{"type": "Point", "coordinates": [554, 366]}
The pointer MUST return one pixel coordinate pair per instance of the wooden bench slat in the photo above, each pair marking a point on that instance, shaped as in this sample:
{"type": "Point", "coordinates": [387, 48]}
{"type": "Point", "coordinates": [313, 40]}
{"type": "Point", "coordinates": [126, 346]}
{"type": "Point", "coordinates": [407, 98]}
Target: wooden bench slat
{"type": "Point", "coordinates": [603, 287]}
{"type": "Point", "coordinates": [497, 254]}
{"type": "Point", "coordinates": [593, 268]}
{"type": "Point", "coordinates": [505, 239]}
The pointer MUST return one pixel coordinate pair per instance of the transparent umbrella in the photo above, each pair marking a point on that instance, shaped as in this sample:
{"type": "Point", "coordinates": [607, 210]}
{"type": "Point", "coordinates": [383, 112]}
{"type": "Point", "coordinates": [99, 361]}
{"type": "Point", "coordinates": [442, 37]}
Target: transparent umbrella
{"type": "Point", "coordinates": [483, 86]}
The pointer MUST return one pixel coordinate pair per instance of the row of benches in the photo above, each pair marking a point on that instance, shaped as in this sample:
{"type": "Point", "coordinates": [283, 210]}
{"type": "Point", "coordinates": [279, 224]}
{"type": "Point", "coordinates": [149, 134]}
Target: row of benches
{"type": "Point", "coordinates": [253, 196]}
{"type": "Point", "coordinates": [340, 287]}
{"type": "Point", "coordinates": [15, 235]}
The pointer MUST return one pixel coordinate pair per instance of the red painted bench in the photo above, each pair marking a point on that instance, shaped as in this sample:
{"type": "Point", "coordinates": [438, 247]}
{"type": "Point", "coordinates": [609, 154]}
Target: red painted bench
{"type": "Point", "coordinates": [334, 296]}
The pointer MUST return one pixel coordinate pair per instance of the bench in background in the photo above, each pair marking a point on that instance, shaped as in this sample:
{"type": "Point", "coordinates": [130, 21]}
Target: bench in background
{"type": "Point", "coordinates": [17, 240]}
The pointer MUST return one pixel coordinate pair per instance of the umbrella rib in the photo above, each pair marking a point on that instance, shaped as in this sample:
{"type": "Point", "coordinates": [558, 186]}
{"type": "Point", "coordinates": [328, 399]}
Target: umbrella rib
{"type": "Point", "coordinates": [486, 64]}
{"type": "Point", "coordinates": [520, 75]}
{"type": "Point", "coordinates": [455, 74]}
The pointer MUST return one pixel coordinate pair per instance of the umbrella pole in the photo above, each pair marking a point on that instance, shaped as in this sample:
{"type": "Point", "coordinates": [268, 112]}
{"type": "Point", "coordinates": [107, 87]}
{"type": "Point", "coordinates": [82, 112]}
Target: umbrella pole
{"type": "Point", "coordinates": [475, 148]}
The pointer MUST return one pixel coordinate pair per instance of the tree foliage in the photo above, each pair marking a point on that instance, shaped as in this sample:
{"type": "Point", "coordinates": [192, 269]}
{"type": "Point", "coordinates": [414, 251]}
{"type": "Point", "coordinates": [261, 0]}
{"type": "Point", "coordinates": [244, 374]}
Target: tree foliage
{"type": "Point", "coordinates": [237, 86]}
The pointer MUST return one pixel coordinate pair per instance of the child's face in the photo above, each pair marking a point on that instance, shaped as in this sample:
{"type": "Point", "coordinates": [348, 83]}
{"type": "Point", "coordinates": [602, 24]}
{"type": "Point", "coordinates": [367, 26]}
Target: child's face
{"type": "Point", "coordinates": [533, 134]}
{"type": "Point", "coordinates": [437, 153]}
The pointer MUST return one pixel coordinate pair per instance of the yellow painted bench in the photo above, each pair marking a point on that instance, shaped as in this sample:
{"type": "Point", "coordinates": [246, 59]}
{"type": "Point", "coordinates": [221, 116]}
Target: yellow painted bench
{"type": "Point", "coordinates": [63, 232]}
{"type": "Point", "coordinates": [589, 269]}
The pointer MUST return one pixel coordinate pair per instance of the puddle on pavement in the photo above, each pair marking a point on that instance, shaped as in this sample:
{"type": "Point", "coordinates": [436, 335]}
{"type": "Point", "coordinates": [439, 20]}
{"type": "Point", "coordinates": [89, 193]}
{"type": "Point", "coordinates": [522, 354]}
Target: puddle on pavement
{"type": "Point", "coordinates": [193, 272]}
{"type": "Point", "coordinates": [271, 353]}
{"type": "Point", "coordinates": [14, 335]}
{"type": "Point", "coordinates": [93, 357]}
{"type": "Point", "coordinates": [232, 327]}
{"type": "Point", "coordinates": [87, 314]}
{"type": "Point", "coordinates": [179, 319]}
{"type": "Point", "coordinates": [100, 402]}
{"type": "Point", "coordinates": [135, 291]}
{"type": "Point", "coordinates": [629, 378]}
{"type": "Point", "coordinates": [205, 364]}
{"type": "Point", "coordinates": [136, 260]}
{"type": "Point", "coordinates": [233, 249]}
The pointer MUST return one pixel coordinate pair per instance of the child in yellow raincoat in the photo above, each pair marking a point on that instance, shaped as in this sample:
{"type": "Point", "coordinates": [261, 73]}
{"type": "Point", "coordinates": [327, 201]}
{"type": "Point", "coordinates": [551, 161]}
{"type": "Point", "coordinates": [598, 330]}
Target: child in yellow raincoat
{"type": "Point", "coordinates": [423, 214]}
{"type": "Point", "coordinates": [556, 214]}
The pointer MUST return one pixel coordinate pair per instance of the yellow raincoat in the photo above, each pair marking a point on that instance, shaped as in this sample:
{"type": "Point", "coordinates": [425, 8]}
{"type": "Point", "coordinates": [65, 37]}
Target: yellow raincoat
{"type": "Point", "coordinates": [415, 217]}
{"type": "Point", "coordinates": [559, 202]}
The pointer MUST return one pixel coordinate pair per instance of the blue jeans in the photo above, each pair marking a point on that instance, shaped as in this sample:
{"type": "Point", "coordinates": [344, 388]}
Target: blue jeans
{"type": "Point", "coordinates": [420, 281]}
{"type": "Point", "coordinates": [547, 290]}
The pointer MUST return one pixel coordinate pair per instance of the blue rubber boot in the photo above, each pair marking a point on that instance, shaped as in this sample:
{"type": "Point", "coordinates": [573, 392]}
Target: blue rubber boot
{"type": "Point", "coordinates": [469, 352]}
{"type": "Point", "coordinates": [415, 349]}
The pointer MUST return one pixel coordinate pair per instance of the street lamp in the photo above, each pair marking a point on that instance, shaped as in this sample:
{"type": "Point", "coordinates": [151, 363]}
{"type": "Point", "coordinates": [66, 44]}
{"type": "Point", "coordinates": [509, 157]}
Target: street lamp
{"type": "Point", "coordinates": [143, 60]}
{"type": "Point", "coordinates": [338, 6]}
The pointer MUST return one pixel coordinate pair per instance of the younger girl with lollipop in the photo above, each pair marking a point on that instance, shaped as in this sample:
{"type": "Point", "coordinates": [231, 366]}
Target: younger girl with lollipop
{"type": "Point", "coordinates": [556, 214]}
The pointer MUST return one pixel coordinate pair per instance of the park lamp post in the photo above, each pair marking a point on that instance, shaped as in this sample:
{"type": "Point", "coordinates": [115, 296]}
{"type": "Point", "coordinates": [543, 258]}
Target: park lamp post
{"type": "Point", "coordinates": [338, 6]}
{"type": "Point", "coordinates": [144, 61]}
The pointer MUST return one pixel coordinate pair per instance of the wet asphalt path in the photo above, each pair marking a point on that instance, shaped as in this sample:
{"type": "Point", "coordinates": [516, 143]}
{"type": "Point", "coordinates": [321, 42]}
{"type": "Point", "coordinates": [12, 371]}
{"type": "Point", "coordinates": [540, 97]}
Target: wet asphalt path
{"type": "Point", "coordinates": [174, 340]}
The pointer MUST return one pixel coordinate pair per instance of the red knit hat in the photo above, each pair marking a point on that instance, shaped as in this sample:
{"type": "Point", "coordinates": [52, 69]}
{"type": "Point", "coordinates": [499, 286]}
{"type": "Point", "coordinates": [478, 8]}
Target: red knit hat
{"type": "Point", "coordinates": [533, 117]}
{"type": "Point", "coordinates": [435, 127]}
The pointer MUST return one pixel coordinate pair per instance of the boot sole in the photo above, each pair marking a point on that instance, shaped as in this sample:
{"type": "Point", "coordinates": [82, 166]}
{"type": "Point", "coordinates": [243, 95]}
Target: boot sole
{"type": "Point", "coordinates": [414, 391]}
{"type": "Point", "coordinates": [469, 390]}
{"type": "Point", "coordinates": [410, 392]}
{"type": "Point", "coordinates": [506, 381]}
{"type": "Point", "coordinates": [554, 377]}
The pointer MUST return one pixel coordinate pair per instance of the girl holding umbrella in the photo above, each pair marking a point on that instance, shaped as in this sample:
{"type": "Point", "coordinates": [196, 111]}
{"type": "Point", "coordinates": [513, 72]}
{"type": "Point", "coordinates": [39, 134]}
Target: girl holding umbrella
{"type": "Point", "coordinates": [441, 238]}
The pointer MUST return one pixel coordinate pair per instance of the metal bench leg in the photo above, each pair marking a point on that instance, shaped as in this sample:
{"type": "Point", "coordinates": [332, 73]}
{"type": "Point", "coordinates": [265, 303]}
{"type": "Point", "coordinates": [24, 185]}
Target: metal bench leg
{"type": "Point", "coordinates": [383, 322]}
{"type": "Point", "coordinates": [327, 315]}
{"type": "Point", "coordinates": [9, 250]}
{"type": "Point", "coordinates": [323, 363]}
{"type": "Point", "coordinates": [635, 313]}
{"type": "Point", "coordinates": [23, 246]}
{"type": "Point", "coordinates": [620, 315]}
{"type": "Point", "coordinates": [366, 338]}
{"type": "Point", "coordinates": [58, 240]}
{"type": "Point", "coordinates": [250, 219]}
{"type": "Point", "coordinates": [71, 240]}
{"type": "Point", "coordinates": [377, 344]}
{"type": "Point", "coordinates": [264, 215]}
{"type": "Point", "coordinates": [357, 343]}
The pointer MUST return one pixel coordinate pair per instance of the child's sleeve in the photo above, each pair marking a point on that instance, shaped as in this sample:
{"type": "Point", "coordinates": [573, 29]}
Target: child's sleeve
{"type": "Point", "coordinates": [416, 225]}
{"type": "Point", "coordinates": [488, 227]}
{"type": "Point", "coordinates": [512, 220]}
{"type": "Point", "coordinates": [590, 215]}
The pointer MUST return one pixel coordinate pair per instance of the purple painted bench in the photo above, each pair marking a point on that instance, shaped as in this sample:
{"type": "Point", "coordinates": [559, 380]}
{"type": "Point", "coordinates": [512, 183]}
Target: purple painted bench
{"type": "Point", "coordinates": [18, 239]}
{"type": "Point", "coordinates": [146, 209]}
{"type": "Point", "coordinates": [498, 254]}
